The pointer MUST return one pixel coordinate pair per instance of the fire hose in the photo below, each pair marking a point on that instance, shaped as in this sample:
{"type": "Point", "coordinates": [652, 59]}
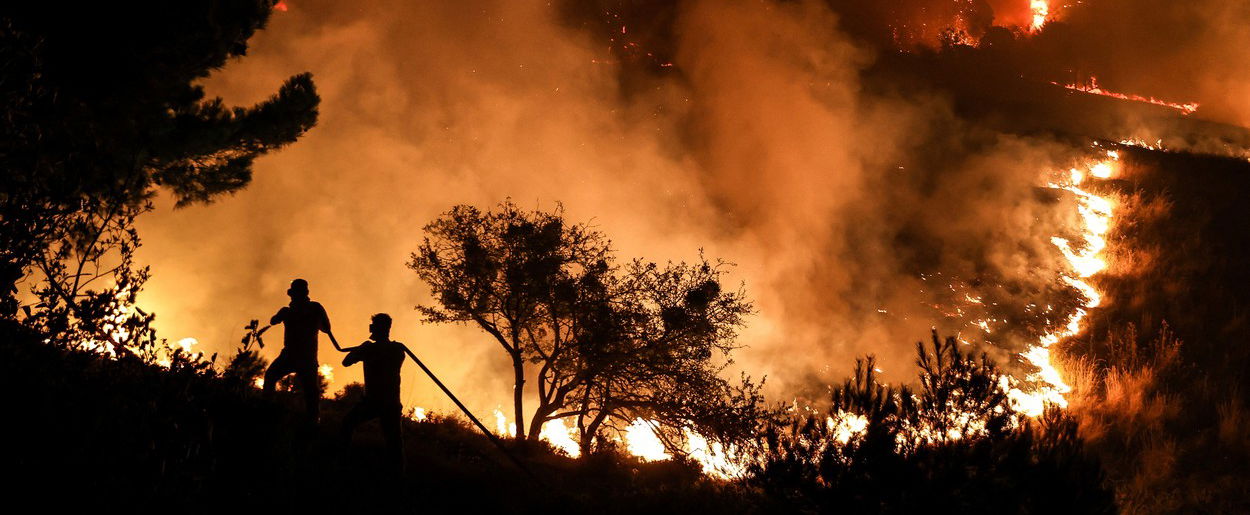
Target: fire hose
{"type": "Point", "coordinates": [463, 409]}
{"type": "Point", "coordinates": [494, 439]}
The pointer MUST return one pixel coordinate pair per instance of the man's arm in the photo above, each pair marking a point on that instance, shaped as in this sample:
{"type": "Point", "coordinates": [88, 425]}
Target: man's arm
{"type": "Point", "coordinates": [354, 355]}
{"type": "Point", "coordinates": [325, 327]}
{"type": "Point", "coordinates": [279, 317]}
{"type": "Point", "coordinates": [353, 348]}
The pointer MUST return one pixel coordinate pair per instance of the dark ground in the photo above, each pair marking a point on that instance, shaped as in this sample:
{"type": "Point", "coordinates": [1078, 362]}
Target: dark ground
{"type": "Point", "coordinates": [105, 433]}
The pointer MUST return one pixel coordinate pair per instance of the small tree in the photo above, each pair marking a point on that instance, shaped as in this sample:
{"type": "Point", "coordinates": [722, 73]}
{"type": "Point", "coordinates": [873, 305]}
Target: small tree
{"type": "Point", "coordinates": [601, 343]}
{"type": "Point", "coordinates": [503, 271]}
{"type": "Point", "coordinates": [669, 340]}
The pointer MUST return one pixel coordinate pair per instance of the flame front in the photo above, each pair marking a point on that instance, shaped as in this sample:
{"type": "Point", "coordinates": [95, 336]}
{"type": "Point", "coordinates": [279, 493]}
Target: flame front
{"type": "Point", "coordinates": [116, 334]}
{"type": "Point", "coordinates": [1186, 108]}
{"type": "Point", "coordinates": [561, 437]}
{"type": "Point", "coordinates": [1097, 214]}
{"type": "Point", "coordinates": [641, 440]}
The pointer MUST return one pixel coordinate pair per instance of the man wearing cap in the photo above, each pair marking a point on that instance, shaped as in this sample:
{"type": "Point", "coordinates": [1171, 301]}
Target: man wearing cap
{"type": "Point", "coordinates": [302, 321]}
{"type": "Point", "coordinates": [383, 358]}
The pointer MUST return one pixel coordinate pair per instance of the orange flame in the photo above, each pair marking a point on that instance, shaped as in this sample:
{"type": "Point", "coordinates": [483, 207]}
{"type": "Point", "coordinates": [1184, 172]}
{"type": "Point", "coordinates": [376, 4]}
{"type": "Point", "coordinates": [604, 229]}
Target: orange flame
{"type": "Point", "coordinates": [1041, 10]}
{"type": "Point", "coordinates": [1097, 215]}
{"type": "Point", "coordinates": [1093, 89]}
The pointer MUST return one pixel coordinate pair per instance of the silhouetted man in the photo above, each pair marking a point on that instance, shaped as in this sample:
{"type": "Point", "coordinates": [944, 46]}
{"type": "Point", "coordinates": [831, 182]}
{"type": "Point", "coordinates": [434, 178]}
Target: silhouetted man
{"type": "Point", "coordinates": [383, 359]}
{"type": "Point", "coordinates": [302, 321]}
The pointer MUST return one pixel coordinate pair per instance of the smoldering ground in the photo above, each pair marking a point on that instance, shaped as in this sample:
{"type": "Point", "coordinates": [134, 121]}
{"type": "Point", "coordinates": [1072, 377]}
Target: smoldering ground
{"type": "Point", "coordinates": [858, 217]}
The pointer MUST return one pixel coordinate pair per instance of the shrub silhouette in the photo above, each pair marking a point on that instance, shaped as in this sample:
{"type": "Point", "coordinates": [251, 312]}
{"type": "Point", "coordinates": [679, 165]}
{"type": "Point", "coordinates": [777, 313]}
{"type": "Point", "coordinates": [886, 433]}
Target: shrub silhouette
{"type": "Point", "coordinates": [127, 431]}
{"type": "Point", "coordinates": [953, 443]}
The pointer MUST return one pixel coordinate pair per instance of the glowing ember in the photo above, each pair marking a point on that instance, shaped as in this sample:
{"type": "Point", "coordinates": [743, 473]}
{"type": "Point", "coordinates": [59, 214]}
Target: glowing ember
{"type": "Point", "coordinates": [1093, 89]}
{"type": "Point", "coordinates": [1141, 143]}
{"type": "Point", "coordinates": [1096, 214]}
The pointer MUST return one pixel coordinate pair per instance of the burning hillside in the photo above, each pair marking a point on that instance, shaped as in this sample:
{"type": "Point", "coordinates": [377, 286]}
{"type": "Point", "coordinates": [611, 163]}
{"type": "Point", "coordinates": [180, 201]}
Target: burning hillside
{"type": "Point", "coordinates": [603, 211]}
{"type": "Point", "coordinates": [795, 138]}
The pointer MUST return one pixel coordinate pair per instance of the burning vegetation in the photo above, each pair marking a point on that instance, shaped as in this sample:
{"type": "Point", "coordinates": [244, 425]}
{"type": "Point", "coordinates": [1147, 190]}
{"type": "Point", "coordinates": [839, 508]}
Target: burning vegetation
{"type": "Point", "coordinates": [869, 171]}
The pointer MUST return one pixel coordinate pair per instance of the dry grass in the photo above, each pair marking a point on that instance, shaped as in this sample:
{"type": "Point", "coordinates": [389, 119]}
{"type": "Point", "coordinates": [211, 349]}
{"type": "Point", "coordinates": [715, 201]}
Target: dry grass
{"type": "Point", "coordinates": [1169, 438]}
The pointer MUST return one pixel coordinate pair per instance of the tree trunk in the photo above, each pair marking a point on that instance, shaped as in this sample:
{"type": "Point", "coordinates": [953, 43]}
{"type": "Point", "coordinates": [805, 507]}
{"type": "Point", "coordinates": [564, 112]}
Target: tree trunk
{"type": "Point", "coordinates": [518, 393]}
{"type": "Point", "coordinates": [587, 438]}
{"type": "Point", "coordinates": [540, 416]}
{"type": "Point", "coordinates": [584, 442]}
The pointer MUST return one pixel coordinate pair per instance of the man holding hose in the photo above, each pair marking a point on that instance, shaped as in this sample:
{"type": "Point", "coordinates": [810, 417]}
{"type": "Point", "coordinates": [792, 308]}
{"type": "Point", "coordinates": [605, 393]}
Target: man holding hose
{"type": "Point", "coordinates": [383, 359]}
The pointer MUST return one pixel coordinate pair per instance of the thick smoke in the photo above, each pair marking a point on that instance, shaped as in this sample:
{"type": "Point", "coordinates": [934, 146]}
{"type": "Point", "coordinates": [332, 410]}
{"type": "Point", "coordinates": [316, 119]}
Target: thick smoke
{"type": "Point", "coordinates": [1190, 51]}
{"type": "Point", "coordinates": [858, 218]}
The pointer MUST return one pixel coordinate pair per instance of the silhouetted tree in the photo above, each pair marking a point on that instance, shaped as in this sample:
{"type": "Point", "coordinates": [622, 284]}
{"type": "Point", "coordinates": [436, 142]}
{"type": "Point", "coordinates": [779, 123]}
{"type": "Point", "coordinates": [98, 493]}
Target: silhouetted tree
{"type": "Point", "coordinates": [501, 270]}
{"type": "Point", "coordinates": [603, 344]}
{"type": "Point", "coordinates": [660, 357]}
{"type": "Point", "coordinates": [101, 110]}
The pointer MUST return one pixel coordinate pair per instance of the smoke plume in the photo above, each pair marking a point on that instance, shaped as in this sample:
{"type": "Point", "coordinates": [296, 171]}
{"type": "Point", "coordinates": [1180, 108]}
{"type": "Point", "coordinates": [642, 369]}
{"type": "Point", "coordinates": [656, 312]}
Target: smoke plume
{"type": "Point", "coordinates": [858, 217]}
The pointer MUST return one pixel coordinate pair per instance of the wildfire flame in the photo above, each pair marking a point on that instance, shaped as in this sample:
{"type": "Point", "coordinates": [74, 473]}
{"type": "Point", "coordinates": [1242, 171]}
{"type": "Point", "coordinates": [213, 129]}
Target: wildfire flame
{"type": "Point", "coordinates": [1046, 386]}
{"type": "Point", "coordinates": [116, 334]}
{"type": "Point", "coordinates": [1093, 88]}
{"type": "Point", "coordinates": [187, 343]}
{"type": "Point", "coordinates": [502, 427]}
{"type": "Point", "coordinates": [847, 426]}
{"type": "Point", "coordinates": [714, 458]}
{"type": "Point", "coordinates": [1097, 214]}
{"type": "Point", "coordinates": [561, 437]}
{"type": "Point", "coordinates": [1041, 10]}
{"type": "Point", "coordinates": [113, 324]}
{"type": "Point", "coordinates": [641, 440]}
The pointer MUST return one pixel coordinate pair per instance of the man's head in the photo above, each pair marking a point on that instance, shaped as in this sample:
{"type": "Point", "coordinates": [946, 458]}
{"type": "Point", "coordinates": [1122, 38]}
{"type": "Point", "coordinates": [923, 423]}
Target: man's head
{"type": "Point", "coordinates": [380, 326]}
{"type": "Point", "coordinates": [298, 289]}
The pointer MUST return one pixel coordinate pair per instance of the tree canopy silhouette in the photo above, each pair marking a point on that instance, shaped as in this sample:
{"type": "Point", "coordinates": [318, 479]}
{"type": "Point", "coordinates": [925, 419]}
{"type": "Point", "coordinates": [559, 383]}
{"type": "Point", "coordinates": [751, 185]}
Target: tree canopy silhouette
{"type": "Point", "coordinates": [604, 343]}
{"type": "Point", "coordinates": [102, 109]}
